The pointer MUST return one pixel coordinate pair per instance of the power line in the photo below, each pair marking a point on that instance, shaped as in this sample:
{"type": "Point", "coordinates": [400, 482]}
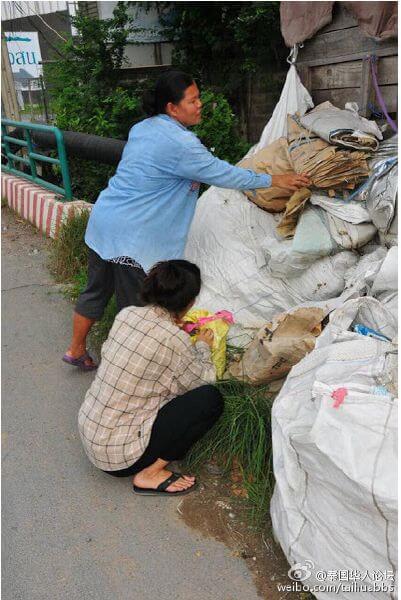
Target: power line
{"type": "Point", "coordinates": [19, 8]}
{"type": "Point", "coordinates": [36, 27]}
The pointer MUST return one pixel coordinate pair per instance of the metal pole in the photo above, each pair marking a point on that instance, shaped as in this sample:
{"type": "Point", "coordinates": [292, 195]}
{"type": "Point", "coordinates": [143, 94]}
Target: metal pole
{"type": "Point", "coordinates": [30, 99]}
{"type": "Point", "coordinates": [32, 163]}
{"type": "Point", "coordinates": [62, 155]}
{"type": "Point", "coordinates": [44, 97]}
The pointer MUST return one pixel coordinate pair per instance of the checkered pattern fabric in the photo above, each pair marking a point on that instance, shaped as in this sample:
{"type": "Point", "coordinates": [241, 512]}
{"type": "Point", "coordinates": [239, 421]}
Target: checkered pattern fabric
{"type": "Point", "coordinates": [146, 362]}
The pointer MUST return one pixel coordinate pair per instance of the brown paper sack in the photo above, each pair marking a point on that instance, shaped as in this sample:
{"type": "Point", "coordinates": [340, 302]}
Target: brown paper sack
{"type": "Point", "coordinates": [328, 167]}
{"type": "Point", "coordinates": [288, 224]}
{"type": "Point", "coordinates": [279, 345]}
{"type": "Point", "coordinates": [271, 160]}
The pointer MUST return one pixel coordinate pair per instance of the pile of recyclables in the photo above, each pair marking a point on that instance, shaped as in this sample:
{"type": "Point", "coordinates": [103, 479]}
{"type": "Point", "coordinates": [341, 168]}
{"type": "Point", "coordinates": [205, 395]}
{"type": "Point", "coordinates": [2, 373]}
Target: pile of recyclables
{"type": "Point", "coordinates": [327, 258]}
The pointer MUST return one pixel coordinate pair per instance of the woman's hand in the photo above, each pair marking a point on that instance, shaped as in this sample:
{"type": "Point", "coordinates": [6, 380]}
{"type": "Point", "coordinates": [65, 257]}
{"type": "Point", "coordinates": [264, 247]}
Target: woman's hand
{"type": "Point", "coordinates": [207, 336]}
{"type": "Point", "coordinates": [291, 181]}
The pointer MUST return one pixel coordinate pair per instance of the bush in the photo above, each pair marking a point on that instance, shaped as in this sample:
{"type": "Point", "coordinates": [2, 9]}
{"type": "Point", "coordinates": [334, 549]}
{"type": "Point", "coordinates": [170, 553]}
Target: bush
{"type": "Point", "coordinates": [89, 178]}
{"type": "Point", "coordinates": [78, 109]}
{"type": "Point", "coordinates": [87, 98]}
{"type": "Point", "coordinates": [84, 77]}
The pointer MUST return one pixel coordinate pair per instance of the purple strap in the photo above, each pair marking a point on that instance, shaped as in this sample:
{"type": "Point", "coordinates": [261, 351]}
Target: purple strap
{"type": "Point", "coordinates": [380, 99]}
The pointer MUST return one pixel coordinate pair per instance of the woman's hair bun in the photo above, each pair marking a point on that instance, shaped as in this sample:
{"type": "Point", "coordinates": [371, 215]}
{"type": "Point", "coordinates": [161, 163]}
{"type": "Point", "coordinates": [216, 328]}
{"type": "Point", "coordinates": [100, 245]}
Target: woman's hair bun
{"type": "Point", "coordinates": [172, 284]}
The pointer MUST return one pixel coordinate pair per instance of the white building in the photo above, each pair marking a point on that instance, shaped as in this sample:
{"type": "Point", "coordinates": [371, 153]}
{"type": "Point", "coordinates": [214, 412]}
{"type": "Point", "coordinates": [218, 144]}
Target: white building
{"type": "Point", "coordinates": [154, 48]}
{"type": "Point", "coordinates": [148, 47]}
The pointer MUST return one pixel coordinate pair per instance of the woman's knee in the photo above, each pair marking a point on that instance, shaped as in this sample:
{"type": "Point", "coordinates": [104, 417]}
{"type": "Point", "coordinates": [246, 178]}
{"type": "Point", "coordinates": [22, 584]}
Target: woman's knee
{"type": "Point", "coordinates": [212, 399]}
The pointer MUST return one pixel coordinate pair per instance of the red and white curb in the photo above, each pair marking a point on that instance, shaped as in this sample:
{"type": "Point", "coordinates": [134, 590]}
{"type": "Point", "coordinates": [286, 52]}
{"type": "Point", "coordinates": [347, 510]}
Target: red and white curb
{"type": "Point", "coordinates": [38, 205]}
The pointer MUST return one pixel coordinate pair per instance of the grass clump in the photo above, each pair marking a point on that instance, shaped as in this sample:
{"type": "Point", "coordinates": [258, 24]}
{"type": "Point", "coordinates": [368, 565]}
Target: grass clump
{"type": "Point", "coordinates": [242, 436]}
{"type": "Point", "coordinates": [69, 254]}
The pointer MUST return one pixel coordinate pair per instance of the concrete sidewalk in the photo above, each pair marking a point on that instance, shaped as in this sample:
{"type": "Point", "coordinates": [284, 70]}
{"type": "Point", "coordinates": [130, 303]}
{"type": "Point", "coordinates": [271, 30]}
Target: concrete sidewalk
{"type": "Point", "coordinates": [70, 531]}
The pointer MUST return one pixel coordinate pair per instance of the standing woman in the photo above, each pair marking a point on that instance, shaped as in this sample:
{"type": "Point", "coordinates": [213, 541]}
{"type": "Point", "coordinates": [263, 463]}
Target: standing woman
{"type": "Point", "coordinates": [144, 214]}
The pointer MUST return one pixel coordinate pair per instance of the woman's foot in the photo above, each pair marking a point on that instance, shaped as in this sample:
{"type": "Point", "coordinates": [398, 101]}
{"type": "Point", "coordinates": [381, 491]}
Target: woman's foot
{"type": "Point", "coordinates": [77, 354]}
{"type": "Point", "coordinates": [151, 479]}
{"type": "Point", "coordinates": [80, 359]}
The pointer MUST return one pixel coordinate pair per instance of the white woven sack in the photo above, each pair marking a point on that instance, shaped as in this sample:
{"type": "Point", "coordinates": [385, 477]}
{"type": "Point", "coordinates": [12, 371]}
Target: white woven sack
{"type": "Point", "coordinates": [335, 500]}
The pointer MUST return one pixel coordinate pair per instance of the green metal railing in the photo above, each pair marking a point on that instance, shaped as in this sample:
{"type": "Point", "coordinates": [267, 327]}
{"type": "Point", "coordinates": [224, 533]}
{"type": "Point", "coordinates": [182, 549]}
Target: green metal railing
{"type": "Point", "coordinates": [32, 157]}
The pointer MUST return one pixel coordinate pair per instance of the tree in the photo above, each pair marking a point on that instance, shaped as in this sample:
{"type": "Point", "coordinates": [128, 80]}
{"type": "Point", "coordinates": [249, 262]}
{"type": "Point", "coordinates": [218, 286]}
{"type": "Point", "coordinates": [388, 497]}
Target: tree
{"type": "Point", "coordinates": [84, 80]}
{"type": "Point", "coordinates": [229, 46]}
{"type": "Point", "coordinates": [220, 42]}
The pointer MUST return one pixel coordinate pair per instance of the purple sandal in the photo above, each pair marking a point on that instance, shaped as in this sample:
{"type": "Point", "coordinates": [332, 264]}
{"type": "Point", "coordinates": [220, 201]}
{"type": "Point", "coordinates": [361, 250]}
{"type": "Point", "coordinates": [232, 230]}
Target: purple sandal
{"type": "Point", "coordinates": [80, 362]}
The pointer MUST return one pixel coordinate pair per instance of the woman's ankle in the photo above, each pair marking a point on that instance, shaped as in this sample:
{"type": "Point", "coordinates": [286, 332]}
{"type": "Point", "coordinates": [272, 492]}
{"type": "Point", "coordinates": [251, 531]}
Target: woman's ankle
{"type": "Point", "coordinates": [154, 468]}
{"type": "Point", "coordinates": [76, 351]}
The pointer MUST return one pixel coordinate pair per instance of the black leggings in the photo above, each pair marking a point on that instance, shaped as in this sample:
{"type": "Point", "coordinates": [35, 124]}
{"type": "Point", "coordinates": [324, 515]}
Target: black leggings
{"type": "Point", "coordinates": [178, 425]}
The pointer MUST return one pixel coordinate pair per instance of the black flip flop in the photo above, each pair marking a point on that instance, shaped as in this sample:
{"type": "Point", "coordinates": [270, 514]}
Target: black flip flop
{"type": "Point", "coordinates": [161, 489]}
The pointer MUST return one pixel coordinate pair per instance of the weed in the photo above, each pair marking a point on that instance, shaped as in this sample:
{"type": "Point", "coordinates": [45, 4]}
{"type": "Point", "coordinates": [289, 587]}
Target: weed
{"type": "Point", "coordinates": [78, 284]}
{"type": "Point", "coordinates": [101, 329]}
{"type": "Point", "coordinates": [69, 254]}
{"type": "Point", "coordinates": [242, 436]}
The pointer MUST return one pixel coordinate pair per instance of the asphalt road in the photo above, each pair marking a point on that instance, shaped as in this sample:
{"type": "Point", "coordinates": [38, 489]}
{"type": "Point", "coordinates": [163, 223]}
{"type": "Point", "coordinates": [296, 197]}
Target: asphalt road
{"type": "Point", "coordinates": [69, 530]}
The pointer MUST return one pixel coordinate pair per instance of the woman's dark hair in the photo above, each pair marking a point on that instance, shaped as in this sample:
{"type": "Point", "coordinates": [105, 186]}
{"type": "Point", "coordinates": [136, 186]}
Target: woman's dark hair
{"type": "Point", "coordinates": [172, 284]}
{"type": "Point", "coordinates": [170, 87]}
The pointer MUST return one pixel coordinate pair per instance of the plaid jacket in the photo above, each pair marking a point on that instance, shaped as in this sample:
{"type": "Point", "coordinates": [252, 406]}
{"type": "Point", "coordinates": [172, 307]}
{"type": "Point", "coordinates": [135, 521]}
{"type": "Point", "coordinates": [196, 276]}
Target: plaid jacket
{"type": "Point", "coordinates": [146, 362]}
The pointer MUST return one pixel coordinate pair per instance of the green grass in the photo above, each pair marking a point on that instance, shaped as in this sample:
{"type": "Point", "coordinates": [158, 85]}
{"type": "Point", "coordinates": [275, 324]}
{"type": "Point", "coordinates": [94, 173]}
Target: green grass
{"type": "Point", "coordinates": [242, 434]}
{"type": "Point", "coordinates": [101, 329]}
{"type": "Point", "coordinates": [69, 254]}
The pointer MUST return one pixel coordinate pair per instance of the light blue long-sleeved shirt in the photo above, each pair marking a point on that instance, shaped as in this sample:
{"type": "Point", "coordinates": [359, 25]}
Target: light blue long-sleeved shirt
{"type": "Point", "coordinates": [147, 208]}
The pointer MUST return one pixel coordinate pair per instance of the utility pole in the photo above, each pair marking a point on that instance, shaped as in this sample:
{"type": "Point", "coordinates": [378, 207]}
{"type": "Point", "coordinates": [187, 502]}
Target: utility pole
{"type": "Point", "coordinates": [9, 101]}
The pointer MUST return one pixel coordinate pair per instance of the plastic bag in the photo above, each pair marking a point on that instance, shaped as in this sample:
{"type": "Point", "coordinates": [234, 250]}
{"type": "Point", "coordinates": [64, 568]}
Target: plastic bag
{"type": "Point", "coordinates": [347, 210]}
{"type": "Point", "coordinates": [294, 98]}
{"type": "Point", "coordinates": [199, 319]}
{"type": "Point", "coordinates": [245, 266]}
{"type": "Point", "coordinates": [343, 127]}
{"type": "Point", "coordinates": [334, 432]}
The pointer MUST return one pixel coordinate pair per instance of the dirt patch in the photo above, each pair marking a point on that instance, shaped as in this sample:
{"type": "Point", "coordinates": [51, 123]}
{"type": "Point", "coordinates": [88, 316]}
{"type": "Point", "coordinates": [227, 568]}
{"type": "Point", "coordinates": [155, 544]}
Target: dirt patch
{"type": "Point", "coordinates": [19, 237]}
{"type": "Point", "coordinates": [218, 511]}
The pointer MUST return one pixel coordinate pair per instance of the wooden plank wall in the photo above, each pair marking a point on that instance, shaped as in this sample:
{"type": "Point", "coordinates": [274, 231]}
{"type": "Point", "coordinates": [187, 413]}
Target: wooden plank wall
{"type": "Point", "coordinates": [333, 65]}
